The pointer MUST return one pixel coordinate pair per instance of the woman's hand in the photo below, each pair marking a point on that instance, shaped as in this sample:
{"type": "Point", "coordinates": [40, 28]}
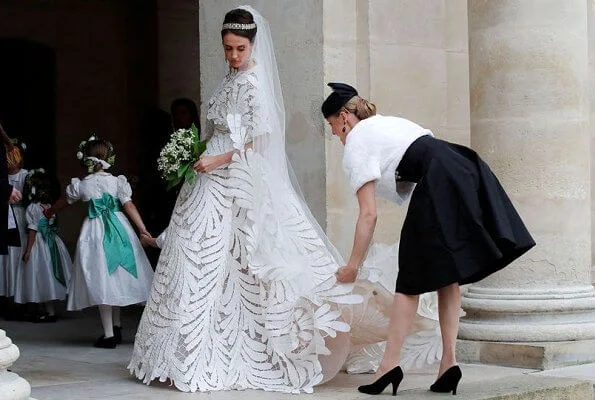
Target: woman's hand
{"type": "Point", "coordinates": [207, 164]}
{"type": "Point", "coordinates": [346, 274]}
{"type": "Point", "coordinates": [14, 196]}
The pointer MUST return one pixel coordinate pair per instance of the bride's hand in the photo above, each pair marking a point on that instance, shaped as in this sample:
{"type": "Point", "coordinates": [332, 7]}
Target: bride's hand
{"type": "Point", "coordinates": [346, 274]}
{"type": "Point", "coordinates": [206, 164]}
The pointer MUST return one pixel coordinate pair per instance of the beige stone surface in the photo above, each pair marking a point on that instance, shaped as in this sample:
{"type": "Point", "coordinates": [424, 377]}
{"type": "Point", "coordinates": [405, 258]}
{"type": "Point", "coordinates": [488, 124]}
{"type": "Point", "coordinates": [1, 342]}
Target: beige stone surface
{"type": "Point", "coordinates": [537, 355]}
{"type": "Point", "coordinates": [417, 70]}
{"type": "Point", "coordinates": [530, 121]}
{"type": "Point", "coordinates": [591, 31]}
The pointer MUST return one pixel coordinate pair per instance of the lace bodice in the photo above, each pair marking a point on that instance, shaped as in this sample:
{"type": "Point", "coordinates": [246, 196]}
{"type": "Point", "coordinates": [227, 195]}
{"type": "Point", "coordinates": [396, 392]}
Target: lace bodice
{"type": "Point", "coordinates": [236, 95]}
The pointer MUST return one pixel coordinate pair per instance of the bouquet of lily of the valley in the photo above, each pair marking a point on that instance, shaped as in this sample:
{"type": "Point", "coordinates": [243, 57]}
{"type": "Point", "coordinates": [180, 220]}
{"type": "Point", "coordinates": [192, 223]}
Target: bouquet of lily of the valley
{"type": "Point", "coordinates": [179, 155]}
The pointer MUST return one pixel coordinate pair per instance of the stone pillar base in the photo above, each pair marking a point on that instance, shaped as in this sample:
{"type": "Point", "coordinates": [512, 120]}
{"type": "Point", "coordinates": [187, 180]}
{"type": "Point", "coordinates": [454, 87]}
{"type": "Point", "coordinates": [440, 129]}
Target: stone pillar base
{"type": "Point", "coordinates": [12, 386]}
{"type": "Point", "coordinates": [534, 355]}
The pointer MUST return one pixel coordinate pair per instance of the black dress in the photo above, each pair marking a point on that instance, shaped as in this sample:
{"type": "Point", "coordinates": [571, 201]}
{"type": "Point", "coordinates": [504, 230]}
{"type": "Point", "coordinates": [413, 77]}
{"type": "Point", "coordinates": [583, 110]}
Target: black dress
{"type": "Point", "coordinates": [460, 226]}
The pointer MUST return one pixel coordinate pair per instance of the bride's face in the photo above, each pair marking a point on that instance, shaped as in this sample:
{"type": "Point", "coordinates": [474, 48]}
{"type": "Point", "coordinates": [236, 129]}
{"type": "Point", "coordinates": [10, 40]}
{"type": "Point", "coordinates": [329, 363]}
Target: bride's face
{"type": "Point", "coordinates": [238, 50]}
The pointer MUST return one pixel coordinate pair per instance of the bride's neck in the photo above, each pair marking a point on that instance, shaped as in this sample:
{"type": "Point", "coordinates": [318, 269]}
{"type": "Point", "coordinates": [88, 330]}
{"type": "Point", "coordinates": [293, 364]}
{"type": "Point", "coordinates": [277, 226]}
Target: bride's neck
{"type": "Point", "coordinates": [247, 66]}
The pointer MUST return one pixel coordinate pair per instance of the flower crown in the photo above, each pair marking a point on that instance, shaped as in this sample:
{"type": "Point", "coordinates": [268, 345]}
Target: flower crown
{"type": "Point", "coordinates": [33, 190]}
{"type": "Point", "coordinates": [90, 162]}
{"type": "Point", "coordinates": [18, 143]}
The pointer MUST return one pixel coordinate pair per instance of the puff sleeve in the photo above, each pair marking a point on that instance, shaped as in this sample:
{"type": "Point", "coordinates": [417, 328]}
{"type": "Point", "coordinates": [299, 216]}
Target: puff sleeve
{"type": "Point", "coordinates": [73, 191]}
{"type": "Point", "coordinates": [124, 191]}
{"type": "Point", "coordinates": [32, 216]}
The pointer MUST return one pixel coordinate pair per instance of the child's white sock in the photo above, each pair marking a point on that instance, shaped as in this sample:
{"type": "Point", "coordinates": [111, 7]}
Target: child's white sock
{"type": "Point", "coordinates": [49, 307]}
{"type": "Point", "coordinates": [117, 322]}
{"type": "Point", "coordinates": [106, 320]}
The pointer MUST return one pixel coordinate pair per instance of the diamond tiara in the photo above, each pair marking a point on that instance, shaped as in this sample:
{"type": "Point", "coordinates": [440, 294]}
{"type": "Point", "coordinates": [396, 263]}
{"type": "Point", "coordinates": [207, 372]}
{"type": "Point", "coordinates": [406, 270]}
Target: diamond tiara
{"type": "Point", "coordinates": [243, 27]}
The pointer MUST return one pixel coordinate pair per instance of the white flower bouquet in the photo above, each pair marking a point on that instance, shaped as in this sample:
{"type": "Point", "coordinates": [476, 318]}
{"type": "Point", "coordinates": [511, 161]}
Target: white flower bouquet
{"type": "Point", "coordinates": [178, 156]}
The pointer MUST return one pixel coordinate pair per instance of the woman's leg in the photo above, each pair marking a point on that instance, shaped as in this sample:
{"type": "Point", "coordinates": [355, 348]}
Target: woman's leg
{"type": "Point", "coordinates": [401, 319]}
{"type": "Point", "coordinates": [449, 309]}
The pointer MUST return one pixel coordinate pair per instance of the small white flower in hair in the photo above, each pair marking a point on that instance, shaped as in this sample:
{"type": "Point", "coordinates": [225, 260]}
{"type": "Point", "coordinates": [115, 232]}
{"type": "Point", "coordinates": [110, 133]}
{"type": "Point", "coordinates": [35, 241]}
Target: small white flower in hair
{"type": "Point", "coordinates": [23, 146]}
{"type": "Point", "coordinates": [79, 155]}
{"type": "Point", "coordinates": [92, 137]}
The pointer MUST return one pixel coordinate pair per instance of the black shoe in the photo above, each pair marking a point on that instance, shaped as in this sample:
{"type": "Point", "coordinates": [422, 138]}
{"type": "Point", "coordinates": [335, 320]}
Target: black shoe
{"type": "Point", "coordinates": [105, 343]}
{"type": "Point", "coordinates": [43, 318]}
{"type": "Point", "coordinates": [118, 334]}
{"type": "Point", "coordinates": [448, 382]}
{"type": "Point", "coordinates": [394, 376]}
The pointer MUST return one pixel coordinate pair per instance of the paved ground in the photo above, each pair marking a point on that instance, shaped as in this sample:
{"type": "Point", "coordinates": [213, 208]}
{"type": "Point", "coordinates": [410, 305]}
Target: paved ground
{"type": "Point", "coordinates": [60, 363]}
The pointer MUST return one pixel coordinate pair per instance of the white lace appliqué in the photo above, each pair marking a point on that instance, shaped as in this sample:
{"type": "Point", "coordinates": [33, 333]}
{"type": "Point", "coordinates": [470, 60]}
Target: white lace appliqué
{"type": "Point", "coordinates": [243, 295]}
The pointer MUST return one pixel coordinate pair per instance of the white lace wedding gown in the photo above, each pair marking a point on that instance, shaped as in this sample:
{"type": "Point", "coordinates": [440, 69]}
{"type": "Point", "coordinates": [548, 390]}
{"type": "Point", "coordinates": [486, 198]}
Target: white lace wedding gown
{"type": "Point", "coordinates": [229, 307]}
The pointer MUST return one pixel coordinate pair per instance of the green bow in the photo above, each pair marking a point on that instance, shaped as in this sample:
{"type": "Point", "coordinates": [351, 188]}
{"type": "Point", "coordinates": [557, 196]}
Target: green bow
{"type": "Point", "coordinates": [116, 243]}
{"type": "Point", "coordinates": [48, 232]}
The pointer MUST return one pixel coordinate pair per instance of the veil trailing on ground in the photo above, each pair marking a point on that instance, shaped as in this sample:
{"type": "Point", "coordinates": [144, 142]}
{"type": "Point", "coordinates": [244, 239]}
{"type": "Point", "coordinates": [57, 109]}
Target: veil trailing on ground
{"type": "Point", "coordinates": [288, 250]}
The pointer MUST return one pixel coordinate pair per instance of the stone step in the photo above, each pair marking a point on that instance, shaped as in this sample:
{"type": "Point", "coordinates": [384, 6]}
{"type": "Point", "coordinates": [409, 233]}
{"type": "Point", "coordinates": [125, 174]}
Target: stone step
{"type": "Point", "coordinates": [526, 387]}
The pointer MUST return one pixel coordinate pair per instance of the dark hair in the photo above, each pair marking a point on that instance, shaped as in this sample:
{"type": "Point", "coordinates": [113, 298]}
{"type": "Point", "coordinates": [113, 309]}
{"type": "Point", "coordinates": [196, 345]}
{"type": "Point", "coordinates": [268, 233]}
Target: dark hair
{"type": "Point", "coordinates": [239, 16]}
{"type": "Point", "coordinates": [98, 148]}
{"type": "Point", "coordinates": [190, 106]}
{"type": "Point", "coordinates": [43, 188]}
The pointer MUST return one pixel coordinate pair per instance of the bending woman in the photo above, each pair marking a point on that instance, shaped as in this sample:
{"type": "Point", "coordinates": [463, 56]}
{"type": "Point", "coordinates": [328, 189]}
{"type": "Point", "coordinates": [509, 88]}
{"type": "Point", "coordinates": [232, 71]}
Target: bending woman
{"type": "Point", "coordinates": [460, 226]}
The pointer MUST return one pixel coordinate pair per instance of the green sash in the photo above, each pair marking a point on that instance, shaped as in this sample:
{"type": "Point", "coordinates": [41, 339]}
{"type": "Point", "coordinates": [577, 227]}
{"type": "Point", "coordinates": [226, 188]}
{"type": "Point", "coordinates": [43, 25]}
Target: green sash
{"type": "Point", "coordinates": [48, 232]}
{"type": "Point", "coordinates": [116, 243]}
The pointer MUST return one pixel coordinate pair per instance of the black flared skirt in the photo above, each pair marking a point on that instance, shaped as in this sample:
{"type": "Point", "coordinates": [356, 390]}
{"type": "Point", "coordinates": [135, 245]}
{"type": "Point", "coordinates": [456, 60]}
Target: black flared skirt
{"type": "Point", "coordinates": [460, 226]}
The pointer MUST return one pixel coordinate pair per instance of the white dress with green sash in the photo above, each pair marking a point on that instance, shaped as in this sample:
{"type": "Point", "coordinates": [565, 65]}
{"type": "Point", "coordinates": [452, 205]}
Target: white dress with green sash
{"type": "Point", "coordinates": [110, 265]}
{"type": "Point", "coordinates": [46, 275]}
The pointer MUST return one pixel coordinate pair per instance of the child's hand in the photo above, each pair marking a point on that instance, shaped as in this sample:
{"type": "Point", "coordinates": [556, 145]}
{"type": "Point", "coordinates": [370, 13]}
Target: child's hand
{"type": "Point", "coordinates": [48, 212]}
{"type": "Point", "coordinates": [15, 196]}
{"type": "Point", "coordinates": [147, 240]}
{"type": "Point", "coordinates": [26, 256]}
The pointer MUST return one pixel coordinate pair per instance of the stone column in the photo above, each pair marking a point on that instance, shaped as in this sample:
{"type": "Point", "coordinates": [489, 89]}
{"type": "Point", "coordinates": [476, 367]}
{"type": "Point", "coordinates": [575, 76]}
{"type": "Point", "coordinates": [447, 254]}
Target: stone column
{"type": "Point", "coordinates": [12, 386]}
{"type": "Point", "coordinates": [529, 78]}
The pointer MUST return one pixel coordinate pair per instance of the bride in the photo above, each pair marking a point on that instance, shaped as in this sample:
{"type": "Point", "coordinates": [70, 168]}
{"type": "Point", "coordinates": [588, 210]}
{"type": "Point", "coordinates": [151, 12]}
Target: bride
{"type": "Point", "coordinates": [244, 294]}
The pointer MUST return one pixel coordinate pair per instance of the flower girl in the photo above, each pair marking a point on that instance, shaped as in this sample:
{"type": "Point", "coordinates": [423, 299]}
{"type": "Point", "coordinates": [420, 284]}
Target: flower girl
{"type": "Point", "coordinates": [111, 268]}
{"type": "Point", "coordinates": [44, 275]}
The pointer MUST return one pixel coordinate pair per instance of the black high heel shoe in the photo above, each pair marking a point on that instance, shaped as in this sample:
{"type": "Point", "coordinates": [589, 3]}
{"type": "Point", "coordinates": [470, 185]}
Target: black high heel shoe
{"type": "Point", "coordinates": [394, 376]}
{"type": "Point", "coordinates": [448, 382]}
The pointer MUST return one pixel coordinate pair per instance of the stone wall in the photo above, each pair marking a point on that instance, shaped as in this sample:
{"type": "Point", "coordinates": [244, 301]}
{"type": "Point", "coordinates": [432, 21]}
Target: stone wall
{"type": "Point", "coordinates": [411, 59]}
